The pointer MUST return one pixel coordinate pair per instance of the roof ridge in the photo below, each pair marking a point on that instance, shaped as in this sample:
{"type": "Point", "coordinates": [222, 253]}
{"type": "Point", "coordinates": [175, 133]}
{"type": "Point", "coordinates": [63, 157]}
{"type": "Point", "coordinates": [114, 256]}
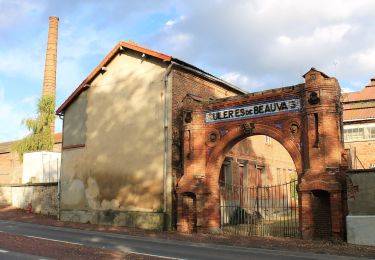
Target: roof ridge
{"type": "Point", "coordinates": [122, 46]}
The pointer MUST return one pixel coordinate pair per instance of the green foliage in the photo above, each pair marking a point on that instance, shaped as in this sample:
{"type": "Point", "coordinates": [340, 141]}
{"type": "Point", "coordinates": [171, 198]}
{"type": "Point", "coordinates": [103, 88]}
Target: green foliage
{"type": "Point", "coordinates": [294, 187]}
{"type": "Point", "coordinates": [41, 136]}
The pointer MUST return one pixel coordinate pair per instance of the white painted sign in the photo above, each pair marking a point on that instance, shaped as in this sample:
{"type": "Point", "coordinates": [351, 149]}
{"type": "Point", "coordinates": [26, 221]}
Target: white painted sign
{"type": "Point", "coordinates": [253, 110]}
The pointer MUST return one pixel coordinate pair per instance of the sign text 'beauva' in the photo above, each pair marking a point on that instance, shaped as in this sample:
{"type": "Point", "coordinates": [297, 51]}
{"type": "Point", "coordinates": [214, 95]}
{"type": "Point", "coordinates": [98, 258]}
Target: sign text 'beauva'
{"type": "Point", "coordinates": [256, 110]}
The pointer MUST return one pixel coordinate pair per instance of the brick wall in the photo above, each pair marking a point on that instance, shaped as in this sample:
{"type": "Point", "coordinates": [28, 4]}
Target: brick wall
{"type": "Point", "coordinates": [365, 151]}
{"type": "Point", "coordinates": [276, 163]}
{"type": "Point", "coordinates": [321, 210]}
{"type": "Point", "coordinates": [10, 168]}
{"type": "Point", "coordinates": [311, 137]}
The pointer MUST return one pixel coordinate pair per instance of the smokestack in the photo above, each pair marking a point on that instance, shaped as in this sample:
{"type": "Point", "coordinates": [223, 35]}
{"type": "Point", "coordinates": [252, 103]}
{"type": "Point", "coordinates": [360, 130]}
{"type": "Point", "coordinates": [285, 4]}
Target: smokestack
{"type": "Point", "coordinates": [49, 82]}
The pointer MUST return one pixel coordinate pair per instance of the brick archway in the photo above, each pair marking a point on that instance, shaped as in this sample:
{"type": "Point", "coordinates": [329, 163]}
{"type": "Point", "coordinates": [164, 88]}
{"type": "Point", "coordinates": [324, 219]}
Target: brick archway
{"type": "Point", "coordinates": [236, 134]}
{"type": "Point", "coordinates": [304, 118]}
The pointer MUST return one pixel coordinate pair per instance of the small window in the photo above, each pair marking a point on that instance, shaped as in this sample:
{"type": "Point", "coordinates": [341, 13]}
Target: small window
{"type": "Point", "coordinates": [371, 132]}
{"type": "Point", "coordinates": [227, 171]}
{"type": "Point", "coordinates": [278, 175]}
{"type": "Point", "coordinates": [354, 134]}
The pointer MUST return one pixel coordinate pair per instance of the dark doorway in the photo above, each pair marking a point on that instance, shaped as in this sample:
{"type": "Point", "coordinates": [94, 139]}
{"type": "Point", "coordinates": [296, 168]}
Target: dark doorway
{"type": "Point", "coordinates": [189, 212]}
{"type": "Point", "coordinates": [321, 207]}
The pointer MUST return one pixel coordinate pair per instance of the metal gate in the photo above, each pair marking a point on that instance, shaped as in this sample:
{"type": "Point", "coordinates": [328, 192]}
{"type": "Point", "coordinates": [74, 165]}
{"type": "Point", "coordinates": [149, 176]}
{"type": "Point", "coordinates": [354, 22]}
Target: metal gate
{"type": "Point", "coordinates": [260, 211]}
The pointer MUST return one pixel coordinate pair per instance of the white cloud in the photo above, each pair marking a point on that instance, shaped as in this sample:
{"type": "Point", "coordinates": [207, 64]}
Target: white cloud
{"type": "Point", "coordinates": [365, 59]}
{"type": "Point", "coordinates": [242, 81]}
{"type": "Point", "coordinates": [346, 90]}
{"type": "Point", "coordinates": [19, 61]}
{"type": "Point", "coordinates": [16, 12]}
{"type": "Point", "coordinates": [275, 42]}
{"type": "Point", "coordinates": [172, 22]}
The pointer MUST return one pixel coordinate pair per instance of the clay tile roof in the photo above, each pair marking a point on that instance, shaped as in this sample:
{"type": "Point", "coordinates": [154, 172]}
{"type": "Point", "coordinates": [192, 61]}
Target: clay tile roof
{"type": "Point", "coordinates": [359, 114]}
{"type": "Point", "coordinates": [368, 93]}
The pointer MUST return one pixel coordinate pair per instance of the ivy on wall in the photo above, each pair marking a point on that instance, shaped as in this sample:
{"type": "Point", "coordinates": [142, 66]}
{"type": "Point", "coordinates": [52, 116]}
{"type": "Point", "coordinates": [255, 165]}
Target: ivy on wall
{"type": "Point", "coordinates": [41, 136]}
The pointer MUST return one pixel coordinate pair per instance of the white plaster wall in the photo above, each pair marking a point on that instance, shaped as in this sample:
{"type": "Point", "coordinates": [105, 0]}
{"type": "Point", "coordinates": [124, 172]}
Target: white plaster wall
{"type": "Point", "coordinates": [41, 167]}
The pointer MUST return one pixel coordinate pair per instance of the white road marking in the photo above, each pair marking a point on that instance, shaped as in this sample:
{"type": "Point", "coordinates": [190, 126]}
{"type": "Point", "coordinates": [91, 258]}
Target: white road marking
{"type": "Point", "coordinates": [55, 240]}
{"type": "Point", "coordinates": [3, 251]}
{"type": "Point", "coordinates": [161, 256]}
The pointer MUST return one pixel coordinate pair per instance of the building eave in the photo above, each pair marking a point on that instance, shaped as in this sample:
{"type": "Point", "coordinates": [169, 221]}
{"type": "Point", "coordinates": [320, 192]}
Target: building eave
{"type": "Point", "coordinates": [122, 46]}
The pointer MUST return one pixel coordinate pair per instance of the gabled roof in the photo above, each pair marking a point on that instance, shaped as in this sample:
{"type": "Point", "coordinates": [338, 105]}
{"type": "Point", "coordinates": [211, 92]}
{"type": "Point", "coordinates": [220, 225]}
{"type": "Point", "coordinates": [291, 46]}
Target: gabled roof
{"type": "Point", "coordinates": [315, 70]}
{"type": "Point", "coordinates": [105, 61]}
{"type": "Point", "coordinates": [121, 46]}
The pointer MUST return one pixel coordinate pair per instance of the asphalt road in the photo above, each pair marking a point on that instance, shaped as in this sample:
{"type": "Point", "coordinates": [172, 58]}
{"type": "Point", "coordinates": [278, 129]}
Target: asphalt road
{"type": "Point", "coordinates": [10, 255]}
{"type": "Point", "coordinates": [155, 247]}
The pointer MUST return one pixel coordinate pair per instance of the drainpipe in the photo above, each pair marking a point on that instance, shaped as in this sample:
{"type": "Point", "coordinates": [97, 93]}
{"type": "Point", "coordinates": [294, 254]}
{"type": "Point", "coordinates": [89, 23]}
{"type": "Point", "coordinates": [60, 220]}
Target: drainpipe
{"type": "Point", "coordinates": [59, 173]}
{"type": "Point", "coordinates": [166, 148]}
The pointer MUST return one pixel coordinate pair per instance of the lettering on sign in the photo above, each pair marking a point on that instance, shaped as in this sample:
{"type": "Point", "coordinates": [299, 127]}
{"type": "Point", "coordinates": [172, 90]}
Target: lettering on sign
{"type": "Point", "coordinates": [255, 110]}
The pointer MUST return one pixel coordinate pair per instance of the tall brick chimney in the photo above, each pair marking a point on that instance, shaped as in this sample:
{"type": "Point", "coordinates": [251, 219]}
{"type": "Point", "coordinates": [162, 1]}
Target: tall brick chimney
{"type": "Point", "coordinates": [49, 82]}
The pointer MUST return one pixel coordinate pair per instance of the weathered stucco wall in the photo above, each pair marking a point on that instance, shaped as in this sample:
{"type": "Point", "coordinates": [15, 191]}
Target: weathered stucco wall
{"type": "Point", "coordinates": [120, 169]}
{"type": "Point", "coordinates": [361, 192]}
{"type": "Point", "coordinates": [361, 219]}
{"type": "Point", "coordinates": [43, 197]}
{"type": "Point", "coordinates": [75, 121]}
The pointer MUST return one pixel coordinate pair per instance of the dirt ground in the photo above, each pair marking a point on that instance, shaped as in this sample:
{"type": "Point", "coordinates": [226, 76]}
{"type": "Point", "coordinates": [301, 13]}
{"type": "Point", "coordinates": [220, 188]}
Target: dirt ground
{"type": "Point", "coordinates": [327, 247]}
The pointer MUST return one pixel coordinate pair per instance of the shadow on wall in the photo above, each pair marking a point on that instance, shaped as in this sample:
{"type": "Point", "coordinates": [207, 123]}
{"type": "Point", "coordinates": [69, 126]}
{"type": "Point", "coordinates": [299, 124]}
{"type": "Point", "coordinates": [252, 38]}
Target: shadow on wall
{"type": "Point", "coordinates": [121, 167]}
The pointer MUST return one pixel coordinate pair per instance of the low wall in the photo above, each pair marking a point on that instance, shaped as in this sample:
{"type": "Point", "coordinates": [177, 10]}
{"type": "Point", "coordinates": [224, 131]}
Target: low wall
{"type": "Point", "coordinates": [143, 220]}
{"type": "Point", "coordinates": [360, 222]}
{"type": "Point", "coordinates": [42, 196]}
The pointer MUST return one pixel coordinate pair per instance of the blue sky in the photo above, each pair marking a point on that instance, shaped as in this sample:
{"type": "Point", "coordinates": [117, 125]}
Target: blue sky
{"type": "Point", "coordinates": [255, 44]}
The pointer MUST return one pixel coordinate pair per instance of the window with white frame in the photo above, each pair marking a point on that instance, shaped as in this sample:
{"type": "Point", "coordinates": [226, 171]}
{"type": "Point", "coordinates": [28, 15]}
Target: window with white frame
{"type": "Point", "coordinates": [360, 133]}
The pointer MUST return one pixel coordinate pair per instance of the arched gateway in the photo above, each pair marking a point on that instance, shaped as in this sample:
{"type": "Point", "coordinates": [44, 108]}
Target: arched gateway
{"type": "Point", "coordinates": [305, 119]}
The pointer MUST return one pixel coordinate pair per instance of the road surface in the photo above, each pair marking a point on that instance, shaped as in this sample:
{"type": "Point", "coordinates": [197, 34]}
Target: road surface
{"type": "Point", "coordinates": [168, 249]}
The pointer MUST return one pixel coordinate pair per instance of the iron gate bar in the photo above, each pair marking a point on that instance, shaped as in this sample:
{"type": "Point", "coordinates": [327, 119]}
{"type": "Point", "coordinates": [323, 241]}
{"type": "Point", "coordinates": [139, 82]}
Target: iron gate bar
{"type": "Point", "coordinates": [261, 210]}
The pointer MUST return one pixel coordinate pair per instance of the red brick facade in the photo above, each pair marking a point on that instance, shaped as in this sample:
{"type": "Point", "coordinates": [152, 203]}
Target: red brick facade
{"type": "Point", "coordinates": [312, 136]}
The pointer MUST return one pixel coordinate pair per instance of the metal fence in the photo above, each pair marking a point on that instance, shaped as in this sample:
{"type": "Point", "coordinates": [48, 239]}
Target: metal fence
{"type": "Point", "coordinates": [260, 211]}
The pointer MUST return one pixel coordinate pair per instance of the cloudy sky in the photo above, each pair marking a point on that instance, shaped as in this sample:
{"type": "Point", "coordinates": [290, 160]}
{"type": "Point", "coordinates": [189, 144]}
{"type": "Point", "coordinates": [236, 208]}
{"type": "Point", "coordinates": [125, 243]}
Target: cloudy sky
{"type": "Point", "coordinates": [255, 44]}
